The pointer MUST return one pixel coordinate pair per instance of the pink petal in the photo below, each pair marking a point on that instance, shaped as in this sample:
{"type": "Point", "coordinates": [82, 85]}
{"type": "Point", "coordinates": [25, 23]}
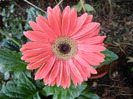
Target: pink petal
{"type": "Point", "coordinates": [92, 34]}
{"type": "Point", "coordinates": [45, 28]}
{"type": "Point", "coordinates": [84, 76]}
{"type": "Point", "coordinates": [36, 36]}
{"type": "Point", "coordinates": [63, 77]}
{"type": "Point", "coordinates": [79, 24]}
{"type": "Point", "coordinates": [38, 73]}
{"type": "Point", "coordinates": [49, 9]}
{"type": "Point", "coordinates": [91, 48]}
{"type": "Point", "coordinates": [54, 25]}
{"type": "Point", "coordinates": [75, 70]}
{"type": "Point", "coordinates": [53, 83]}
{"type": "Point", "coordinates": [59, 76]}
{"type": "Point", "coordinates": [33, 45]}
{"type": "Point", "coordinates": [100, 54]}
{"type": "Point", "coordinates": [43, 18]}
{"type": "Point", "coordinates": [93, 40]}
{"type": "Point", "coordinates": [67, 75]}
{"type": "Point", "coordinates": [85, 64]}
{"type": "Point", "coordinates": [85, 30]}
{"type": "Point", "coordinates": [65, 23]}
{"type": "Point", "coordinates": [57, 15]}
{"type": "Point", "coordinates": [46, 78]}
{"type": "Point", "coordinates": [54, 71]}
{"type": "Point", "coordinates": [34, 65]}
{"type": "Point", "coordinates": [92, 58]}
{"type": "Point", "coordinates": [38, 57]}
{"type": "Point", "coordinates": [73, 20]}
{"type": "Point", "coordinates": [67, 9]}
{"type": "Point", "coordinates": [47, 67]}
{"type": "Point", "coordinates": [75, 79]}
{"type": "Point", "coordinates": [83, 68]}
{"type": "Point", "coordinates": [34, 26]}
{"type": "Point", "coordinates": [34, 52]}
{"type": "Point", "coordinates": [88, 19]}
{"type": "Point", "coordinates": [67, 67]}
{"type": "Point", "coordinates": [97, 56]}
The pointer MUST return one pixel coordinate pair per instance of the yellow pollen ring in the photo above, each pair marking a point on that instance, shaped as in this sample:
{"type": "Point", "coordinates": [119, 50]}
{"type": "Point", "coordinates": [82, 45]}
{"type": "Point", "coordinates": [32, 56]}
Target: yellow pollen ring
{"type": "Point", "coordinates": [64, 40]}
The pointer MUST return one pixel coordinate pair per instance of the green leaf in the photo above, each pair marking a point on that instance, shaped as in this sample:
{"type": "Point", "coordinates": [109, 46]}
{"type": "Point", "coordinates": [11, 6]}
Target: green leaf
{"type": "Point", "coordinates": [12, 8]}
{"type": "Point", "coordinates": [68, 93]}
{"type": "Point", "coordinates": [3, 12]}
{"type": "Point", "coordinates": [78, 7]}
{"type": "Point", "coordinates": [9, 44]}
{"type": "Point", "coordinates": [12, 61]}
{"type": "Point", "coordinates": [89, 8]}
{"type": "Point", "coordinates": [32, 14]}
{"type": "Point", "coordinates": [22, 88]}
{"type": "Point", "coordinates": [132, 69]}
{"type": "Point", "coordinates": [88, 94]}
{"type": "Point", "coordinates": [109, 57]}
{"type": "Point", "coordinates": [13, 25]}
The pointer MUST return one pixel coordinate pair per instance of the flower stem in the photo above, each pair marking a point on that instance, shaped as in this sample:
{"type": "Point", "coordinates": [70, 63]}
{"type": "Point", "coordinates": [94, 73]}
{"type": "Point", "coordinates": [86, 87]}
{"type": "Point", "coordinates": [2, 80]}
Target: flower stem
{"type": "Point", "coordinates": [35, 6]}
{"type": "Point", "coordinates": [82, 3]}
{"type": "Point", "coordinates": [10, 38]}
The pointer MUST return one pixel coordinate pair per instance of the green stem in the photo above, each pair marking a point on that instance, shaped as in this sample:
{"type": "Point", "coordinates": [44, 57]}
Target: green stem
{"type": "Point", "coordinates": [10, 38]}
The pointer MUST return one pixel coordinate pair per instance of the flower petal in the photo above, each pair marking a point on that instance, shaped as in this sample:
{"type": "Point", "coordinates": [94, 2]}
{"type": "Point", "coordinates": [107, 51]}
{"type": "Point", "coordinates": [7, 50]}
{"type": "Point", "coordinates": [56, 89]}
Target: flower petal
{"type": "Point", "coordinates": [54, 24]}
{"type": "Point", "coordinates": [59, 76]}
{"type": "Point", "coordinates": [65, 23]}
{"type": "Point", "coordinates": [43, 18]}
{"type": "Point", "coordinates": [45, 28]}
{"type": "Point", "coordinates": [79, 24]}
{"type": "Point", "coordinates": [67, 9]}
{"type": "Point", "coordinates": [84, 76]}
{"type": "Point", "coordinates": [85, 30]}
{"type": "Point", "coordinates": [75, 70]}
{"type": "Point", "coordinates": [36, 36]}
{"type": "Point", "coordinates": [91, 48]}
{"type": "Point", "coordinates": [85, 64]}
{"type": "Point", "coordinates": [67, 74]}
{"type": "Point", "coordinates": [88, 19]}
{"type": "Point", "coordinates": [34, 65]}
{"type": "Point", "coordinates": [63, 77]}
{"type": "Point", "coordinates": [38, 57]}
{"type": "Point", "coordinates": [90, 35]}
{"type": "Point", "coordinates": [54, 71]}
{"type": "Point", "coordinates": [92, 58]}
{"type": "Point", "coordinates": [75, 79]}
{"type": "Point", "coordinates": [47, 67]}
{"type": "Point", "coordinates": [34, 26]}
{"type": "Point", "coordinates": [94, 40]}
{"type": "Point", "coordinates": [73, 20]}
{"type": "Point", "coordinates": [33, 45]}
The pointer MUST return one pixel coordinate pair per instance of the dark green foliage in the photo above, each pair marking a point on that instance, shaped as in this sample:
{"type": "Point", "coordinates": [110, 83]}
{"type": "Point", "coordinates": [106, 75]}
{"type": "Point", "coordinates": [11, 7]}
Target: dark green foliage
{"type": "Point", "coordinates": [32, 14]}
{"type": "Point", "coordinates": [109, 57]}
{"type": "Point", "coordinates": [88, 94]}
{"type": "Point", "coordinates": [68, 93]}
{"type": "Point", "coordinates": [12, 24]}
{"type": "Point", "coordinates": [12, 61]}
{"type": "Point", "coordinates": [8, 44]}
{"type": "Point", "coordinates": [22, 88]}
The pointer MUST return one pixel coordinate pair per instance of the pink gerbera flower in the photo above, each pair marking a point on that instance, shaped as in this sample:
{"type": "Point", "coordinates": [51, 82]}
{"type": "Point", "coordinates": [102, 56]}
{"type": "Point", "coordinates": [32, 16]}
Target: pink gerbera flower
{"type": "Point", "coordinates": [64, 47]}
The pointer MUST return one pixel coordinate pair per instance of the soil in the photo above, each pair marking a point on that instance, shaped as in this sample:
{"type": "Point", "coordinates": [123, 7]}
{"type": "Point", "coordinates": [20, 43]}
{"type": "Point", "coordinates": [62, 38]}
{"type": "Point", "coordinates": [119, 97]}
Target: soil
{"type": "Point", "coordinates": [117, 25]}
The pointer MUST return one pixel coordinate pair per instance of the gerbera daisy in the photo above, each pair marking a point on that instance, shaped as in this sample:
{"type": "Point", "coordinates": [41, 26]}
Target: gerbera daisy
{"type": "Point", "coordinates": [63, 47]}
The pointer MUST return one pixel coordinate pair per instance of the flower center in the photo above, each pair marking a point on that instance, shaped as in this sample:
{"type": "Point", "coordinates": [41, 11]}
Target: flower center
{"type": "Point", "coordinates": [64, 48]}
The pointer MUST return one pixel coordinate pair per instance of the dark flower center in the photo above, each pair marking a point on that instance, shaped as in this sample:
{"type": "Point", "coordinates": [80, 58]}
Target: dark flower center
{"type": "Point", "coordinates": [64, 48]}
